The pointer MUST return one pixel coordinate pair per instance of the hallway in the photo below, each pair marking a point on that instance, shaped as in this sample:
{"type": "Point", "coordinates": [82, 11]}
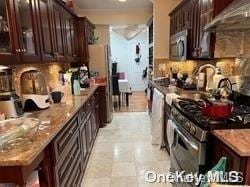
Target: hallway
{"type": "Point", "coordinates": [122, 154]}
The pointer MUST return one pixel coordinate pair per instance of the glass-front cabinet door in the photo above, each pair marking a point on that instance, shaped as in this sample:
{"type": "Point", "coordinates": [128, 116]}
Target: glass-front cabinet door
{"type": "Point", "coordinates": [27, 29]}
{"type": "Point", "coordinates": [9, 51]}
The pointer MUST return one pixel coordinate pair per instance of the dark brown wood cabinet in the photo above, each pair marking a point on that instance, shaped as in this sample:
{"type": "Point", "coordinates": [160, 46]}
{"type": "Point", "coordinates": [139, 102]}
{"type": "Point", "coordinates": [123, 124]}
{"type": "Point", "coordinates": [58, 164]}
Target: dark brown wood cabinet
{"type": "Point", "coordinates": [193, 15]}
{"type": "Point", "coordinates": [58, 31]}
{"type": "Point", "coordinates": [234, 161]}
{"type": "Point", "coordinates": [85, 37]}
{"type": "Point", "coordinates": [27, 30]}
{"type": "Point", "coordinates": [8, 38]}
{"type": "Point", "coordinates": [45, 24]}
{"type": "Point", "coordinates": [35, 31]}
{"type": "Point", "coordinates": [72, 147]}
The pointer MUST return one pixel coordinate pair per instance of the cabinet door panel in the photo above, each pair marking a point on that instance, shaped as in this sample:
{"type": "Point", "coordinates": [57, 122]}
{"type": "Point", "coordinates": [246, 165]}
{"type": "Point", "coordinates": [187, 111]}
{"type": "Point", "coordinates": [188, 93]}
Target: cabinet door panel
{"type": "Point", "coordinates": [44, 16]}
{"type": "Point", "coordinates": [58, 27]}
{"type": "Point", "coordinates": [27, 29]}
{"type": "Point", "coordinates": [8, 40]}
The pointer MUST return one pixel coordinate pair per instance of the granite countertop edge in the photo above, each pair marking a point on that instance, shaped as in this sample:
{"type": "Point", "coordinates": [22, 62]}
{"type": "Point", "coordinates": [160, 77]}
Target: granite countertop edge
{"type": "Point", "coordinates": [44, 142]}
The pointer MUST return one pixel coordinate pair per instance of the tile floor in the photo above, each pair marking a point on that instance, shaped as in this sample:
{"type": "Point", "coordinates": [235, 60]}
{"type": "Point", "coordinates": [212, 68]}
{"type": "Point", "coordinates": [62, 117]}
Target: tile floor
{"type": "Point", "coordinates": [122, 154]}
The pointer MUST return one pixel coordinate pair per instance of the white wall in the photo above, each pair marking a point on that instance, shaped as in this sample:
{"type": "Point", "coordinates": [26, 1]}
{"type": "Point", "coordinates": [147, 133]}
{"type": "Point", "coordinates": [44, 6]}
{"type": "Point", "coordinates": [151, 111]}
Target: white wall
{"type": "Point", "coordinates": [161, 10]}
{"type": "Point", "coordinates": [123, 51]}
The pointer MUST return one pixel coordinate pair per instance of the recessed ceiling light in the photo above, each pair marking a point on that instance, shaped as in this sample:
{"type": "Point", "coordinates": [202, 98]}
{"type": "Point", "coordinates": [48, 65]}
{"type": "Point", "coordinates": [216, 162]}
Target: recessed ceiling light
{"type": "Point", "coordinates": [122, 0]}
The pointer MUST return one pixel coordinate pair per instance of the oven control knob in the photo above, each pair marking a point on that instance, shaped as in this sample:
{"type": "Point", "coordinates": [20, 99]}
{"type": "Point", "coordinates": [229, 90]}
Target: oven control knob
{"type": "Point", "coordinates": [180, 118]}
{"type": "Point", "coordinates": [188, 125]}
{"type": "Point", "coordinates": [192, 130]}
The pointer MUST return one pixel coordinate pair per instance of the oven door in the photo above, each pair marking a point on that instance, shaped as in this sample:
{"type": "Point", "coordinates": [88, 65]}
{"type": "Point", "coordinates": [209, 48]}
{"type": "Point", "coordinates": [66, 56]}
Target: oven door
{"type": "Point", "coordinates": [188, 153]}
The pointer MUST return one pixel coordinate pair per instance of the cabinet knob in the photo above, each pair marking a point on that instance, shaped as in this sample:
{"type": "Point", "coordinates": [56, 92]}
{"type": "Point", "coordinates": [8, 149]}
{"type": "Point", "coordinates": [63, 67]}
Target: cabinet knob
{"type": "Point", "coordinates": [18, 50]}
{"type": "Point", "coordinates": [24, 50]}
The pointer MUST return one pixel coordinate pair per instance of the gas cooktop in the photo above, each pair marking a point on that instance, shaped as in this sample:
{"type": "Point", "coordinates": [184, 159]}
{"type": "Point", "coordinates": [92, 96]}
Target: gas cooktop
{"type": "Point", "coordinates": [240, 117]}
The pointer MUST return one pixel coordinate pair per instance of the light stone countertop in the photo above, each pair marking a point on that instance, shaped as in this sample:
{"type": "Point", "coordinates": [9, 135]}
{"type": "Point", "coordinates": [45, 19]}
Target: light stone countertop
{"type": "Point", "coordinates": [237, 139]}
{"type": "Point", "coordinates": [57, 115]}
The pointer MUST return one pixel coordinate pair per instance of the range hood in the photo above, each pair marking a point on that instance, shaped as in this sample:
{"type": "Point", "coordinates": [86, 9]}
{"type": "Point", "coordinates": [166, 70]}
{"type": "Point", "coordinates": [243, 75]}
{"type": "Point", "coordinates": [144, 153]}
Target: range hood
{"type": "Point", "coordinates": [235, 17]}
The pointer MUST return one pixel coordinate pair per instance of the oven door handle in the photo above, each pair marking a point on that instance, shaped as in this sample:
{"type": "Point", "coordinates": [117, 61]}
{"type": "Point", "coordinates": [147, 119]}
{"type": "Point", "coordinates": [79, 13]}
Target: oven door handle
{"type": "Point", "coordinates": [187, 142]}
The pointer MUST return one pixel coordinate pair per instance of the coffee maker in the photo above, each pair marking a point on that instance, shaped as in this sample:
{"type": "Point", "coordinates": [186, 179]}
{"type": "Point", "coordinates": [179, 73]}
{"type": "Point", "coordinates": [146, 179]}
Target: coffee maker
{"type": "Point", "coordinates": [34, 91]}
{"type": "Point", "coordinates": [10, 102]}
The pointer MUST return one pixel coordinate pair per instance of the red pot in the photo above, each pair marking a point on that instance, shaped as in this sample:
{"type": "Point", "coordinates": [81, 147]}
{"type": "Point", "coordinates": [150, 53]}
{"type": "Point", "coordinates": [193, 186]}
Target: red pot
{"type": "Point", "coordinates": [217, 109]}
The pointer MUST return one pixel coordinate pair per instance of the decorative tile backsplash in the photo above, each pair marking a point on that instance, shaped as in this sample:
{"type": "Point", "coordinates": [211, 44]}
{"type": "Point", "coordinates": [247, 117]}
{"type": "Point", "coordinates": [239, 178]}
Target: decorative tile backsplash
{"type": "Point", "coordinates": [50, 72]}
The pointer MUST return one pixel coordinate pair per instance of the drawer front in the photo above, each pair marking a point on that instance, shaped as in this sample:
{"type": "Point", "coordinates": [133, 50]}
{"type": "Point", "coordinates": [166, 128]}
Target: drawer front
{"type": "Point", "coordinates": [64, 138]}
{"type": "Point", "coordinates": [83, 134]}
{"type": "Point", "coordinates": [69, 163]}
{"type": "Point", "coordinates": [76, 175]}
{"type": "Point", "coordinates": [82, 114]}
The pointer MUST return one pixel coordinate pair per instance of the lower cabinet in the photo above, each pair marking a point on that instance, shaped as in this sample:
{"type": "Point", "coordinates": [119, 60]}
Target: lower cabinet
{"type": "Point", "coordinates": [72, 146]}
{"type": "Point", "coordinates": [235, 162]}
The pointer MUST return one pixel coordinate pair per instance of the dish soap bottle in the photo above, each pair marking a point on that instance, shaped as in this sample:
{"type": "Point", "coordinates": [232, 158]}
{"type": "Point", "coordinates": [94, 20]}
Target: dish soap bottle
{"type": "Point", "coordinates": [76, 87]}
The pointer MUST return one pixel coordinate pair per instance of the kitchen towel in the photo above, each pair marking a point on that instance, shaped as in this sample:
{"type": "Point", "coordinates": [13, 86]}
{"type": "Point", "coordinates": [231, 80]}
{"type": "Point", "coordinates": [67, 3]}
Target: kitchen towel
{"type": "Point", "coordinates": [170, 97]}
{"type": "Point", "coordinates": [170, 132]}
{"type": "Point", "coordinates": [157, 128]}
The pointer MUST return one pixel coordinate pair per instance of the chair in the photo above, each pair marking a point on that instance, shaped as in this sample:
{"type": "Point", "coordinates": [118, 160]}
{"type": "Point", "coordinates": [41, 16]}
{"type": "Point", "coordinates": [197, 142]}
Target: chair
{"type": "Point", "coordinates": [115, 87]}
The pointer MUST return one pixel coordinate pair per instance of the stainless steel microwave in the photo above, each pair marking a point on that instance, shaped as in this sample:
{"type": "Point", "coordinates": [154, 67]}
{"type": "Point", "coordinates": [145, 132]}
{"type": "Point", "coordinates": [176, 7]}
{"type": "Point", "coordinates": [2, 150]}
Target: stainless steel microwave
{"type": "Point", "coordinates": [178, 46]}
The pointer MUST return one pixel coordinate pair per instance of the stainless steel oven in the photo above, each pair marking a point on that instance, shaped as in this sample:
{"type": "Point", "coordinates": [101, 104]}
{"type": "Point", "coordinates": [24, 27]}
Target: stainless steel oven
{"type": "Point", "coordinates": [187, 153]}
{"type": "Point", "coordinates": [178, 46]}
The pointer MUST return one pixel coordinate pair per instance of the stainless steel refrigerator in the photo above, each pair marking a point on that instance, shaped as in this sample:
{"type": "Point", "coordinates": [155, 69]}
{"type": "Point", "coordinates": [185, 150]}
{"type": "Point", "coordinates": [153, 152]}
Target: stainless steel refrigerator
{"type": "Point", "coordinates": [99, 61]}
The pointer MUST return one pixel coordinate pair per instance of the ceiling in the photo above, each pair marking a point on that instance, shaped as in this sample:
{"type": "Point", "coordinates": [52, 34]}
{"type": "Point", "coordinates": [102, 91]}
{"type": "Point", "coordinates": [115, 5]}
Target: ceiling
{"type": "Point", "coordinates": [113, 4]}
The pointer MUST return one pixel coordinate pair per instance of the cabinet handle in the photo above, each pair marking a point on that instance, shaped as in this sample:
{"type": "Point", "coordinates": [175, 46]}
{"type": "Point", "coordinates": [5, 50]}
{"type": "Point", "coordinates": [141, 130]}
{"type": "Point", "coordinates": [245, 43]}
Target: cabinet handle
{"type": "Point", "coordinates": [23, 50]}
{"type": "Point", "coordinates": [18, 50]}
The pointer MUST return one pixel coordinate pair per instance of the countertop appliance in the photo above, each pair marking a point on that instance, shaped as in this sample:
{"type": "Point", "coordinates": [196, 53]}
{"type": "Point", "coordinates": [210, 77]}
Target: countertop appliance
{"type": "Point", "coordinates": [10, 103]}
{"type": "Point", "coordinates": [179, 46]}
{"type": "Point", "coordinates": [99, 61]}
{"type": "Point", "coordinates": [190, 148]}
{"type": "Point", "coordinates": [34, 91]}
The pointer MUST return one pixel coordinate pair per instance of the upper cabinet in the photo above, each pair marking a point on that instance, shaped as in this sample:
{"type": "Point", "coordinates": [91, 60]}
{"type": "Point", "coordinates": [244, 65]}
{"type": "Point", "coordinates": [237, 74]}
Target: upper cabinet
{"type": "Point", "coordinates": [8, 40]}
{"type": "Point", "coordinates": [44, 15]}
{"type": "Point", "coordinates": [27, 30]}
{"type": "Point", "coordinates": [35, 31]}
{"type": "Point", "coordinates": [193, 15]}
{"type": "Point", "coordinates": [58, 26]}
{"type": "Point", "coordinates": [86, 37]}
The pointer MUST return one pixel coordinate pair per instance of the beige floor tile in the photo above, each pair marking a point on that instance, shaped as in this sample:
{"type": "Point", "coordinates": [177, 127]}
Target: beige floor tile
{"type": "Point", "coordinates": [144, 156]}
{"type": "Point", "coordinates": [122, 147]}
{"type": "Point", "coordinates": [124, 169]}
{"type": "Point", "coordinates": [96, 182]}
{"type": "Point", "coordinates": [142, 182]}
{"type": "Point", "coordinates": [124, 182]}
{"type": "Point", "coordinates": [143, 146]}
{"type": "Point", "coordinates": [143, 167]}
{"type": "Point", "coordinates": [97, 169]}
{"type": "Point", "coordinates": [102, 157]}
{"type": "Point", "coordinates": [161, 155]}
{"type": "Point", "coordinates": [104, 147]}
{"type": "Point", "coordinates": [127, 156]}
